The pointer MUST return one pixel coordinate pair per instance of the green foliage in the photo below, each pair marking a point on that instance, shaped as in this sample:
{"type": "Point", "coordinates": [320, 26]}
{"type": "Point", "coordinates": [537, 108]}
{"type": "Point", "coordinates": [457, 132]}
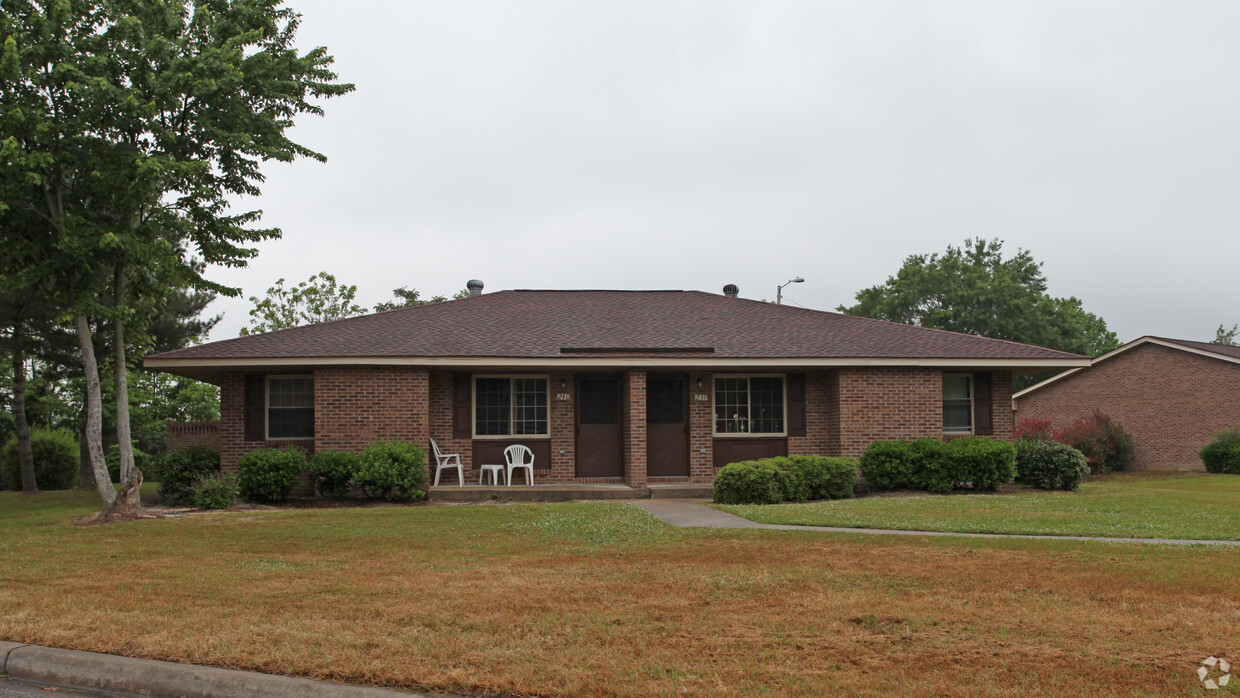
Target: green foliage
{"type": "Point", "coordinates": [317, 299]}
{"type": "Point", "coordinates": [1225, 336]}
{"type": "Point", "coordinates": [158, 398]}
{"type": "Point", "coordinates": [1105, 442]}
{"type": "Point", "coordinates": [408, 297]}
{"type": "Point", "coordinates": [1222, 455]}
{"type": "Point", "coordinates": [215, 492]}
{"type": "Point", "coordinates": [333, 471]}
{"type": "Point", "coordinates": [1034, 428]}
{"type": "Point", "coordinates": [394, 470]}
{"type": "Point", "coordinates": [974, 289]}
{"type": "Point", "coordinates": [56, 460]}
{"type": "Point", "coordinates": [749, 482]}
{"type": "Point", "coordinates": [938, 466]}
{"type": "Point", "coordinates": [888, 465]}
{"type": "Point", "coordinates": [267, 475]}
{"type": "Point", "coordinates": [824, 477]}
{"type": "Point", "coordinates": [140, 460]}
{"type": "Point", "coordinates": [1049, 465]}
{"type": "Point", "coordinates": [181, 470]}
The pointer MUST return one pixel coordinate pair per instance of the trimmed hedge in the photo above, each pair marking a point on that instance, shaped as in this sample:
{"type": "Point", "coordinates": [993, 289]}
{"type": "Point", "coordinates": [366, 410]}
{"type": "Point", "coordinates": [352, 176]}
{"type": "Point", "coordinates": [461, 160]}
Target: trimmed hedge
{"type": "Point", "coordinates": [394, 470]}
{"type": "Point", "coordinates": [56, 460]}
{"type": "Point", "coordinates": [333, 471]}
{"type": "Point", "coordinates": [181, 470]}
{"type": "Point", "coordinates": [1222, 455]}
{"type": "Point", "coordinates": [785, 479]}
{"type": "Point", "coordinates": [1049, 465]}
{"type": "Point", "coordinates": [267, 475]}
{"type": "Point", "coordinates": [939, 466]}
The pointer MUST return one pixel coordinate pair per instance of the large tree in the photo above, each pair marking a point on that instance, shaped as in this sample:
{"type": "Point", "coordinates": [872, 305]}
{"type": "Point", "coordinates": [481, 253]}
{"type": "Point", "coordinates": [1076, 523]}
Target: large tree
{"type": "Point", "coordinates": [317, 299]}
{"type": "Point", "coordinates": [137, 122]}
{"type": "Point", "coordinates": [405, 297]}
{"type": "Point", "coordinates": [976, 290]}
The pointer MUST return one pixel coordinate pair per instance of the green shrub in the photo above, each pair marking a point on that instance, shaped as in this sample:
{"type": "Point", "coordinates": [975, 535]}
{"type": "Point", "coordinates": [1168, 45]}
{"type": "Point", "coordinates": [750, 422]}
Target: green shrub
{"type": "Point", "coordinates": [333, 471]}
{"type": "Point", "coordinates": [1049, 465]}
{"type": "Point", "coordinates": [824, 477]}
{"type": "Point", "coordinates": [180, 470]}
{"type": "Point", "coordinates": [750, 482]}
{"type": "Point", "coordinates": [1222, 455]}
{"type": "Point", "coordinates": [933, 470]}
{"type": "Point", "coordinates": [982, 463]}
{"type": "Point", "coordinates": [888, 465]}
{"type": "Point", "coordinates": [394, 470]}
{"type": "Point", "coordinates": [267, 475]}
{"type": "Point", "coordinates": [1106, 444]}
{"type": "Point", "coordinates": [215, 492]}
{"type": "Point", "coordinates": [56, 460]}
{"type": "Point", "coordinates": [140, 459]}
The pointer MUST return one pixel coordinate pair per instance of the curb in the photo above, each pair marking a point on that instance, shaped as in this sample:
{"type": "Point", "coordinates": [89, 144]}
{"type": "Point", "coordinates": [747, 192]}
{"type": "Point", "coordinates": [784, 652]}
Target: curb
{"type": "Point", "coordinates": [150, 677]}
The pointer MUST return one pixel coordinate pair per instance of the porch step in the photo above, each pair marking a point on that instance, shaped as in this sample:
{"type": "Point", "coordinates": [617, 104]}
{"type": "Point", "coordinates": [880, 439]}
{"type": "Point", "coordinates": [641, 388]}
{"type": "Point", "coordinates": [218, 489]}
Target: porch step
{"type": "Point", "coordinates": [526, 493]}
{"type": "Point", "coordinates": [681, 490]}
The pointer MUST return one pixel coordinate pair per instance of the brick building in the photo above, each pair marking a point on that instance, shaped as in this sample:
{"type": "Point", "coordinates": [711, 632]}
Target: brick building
{"type": "Point", "coordinates": [1172, 395]}
{"type": "Point", "coordinates": [627, 387]}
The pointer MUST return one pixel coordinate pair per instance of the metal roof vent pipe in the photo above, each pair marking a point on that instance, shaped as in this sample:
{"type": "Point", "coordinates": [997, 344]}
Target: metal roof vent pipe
{"type": "Point", "coordinates": [731, 290]}
{"type": "Point", "coordinates": [474, 286]}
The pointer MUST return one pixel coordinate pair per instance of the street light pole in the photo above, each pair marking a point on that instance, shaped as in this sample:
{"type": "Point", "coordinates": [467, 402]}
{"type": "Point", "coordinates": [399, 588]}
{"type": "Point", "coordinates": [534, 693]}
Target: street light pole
{"type": "Point", "coordinates": [779, 290]}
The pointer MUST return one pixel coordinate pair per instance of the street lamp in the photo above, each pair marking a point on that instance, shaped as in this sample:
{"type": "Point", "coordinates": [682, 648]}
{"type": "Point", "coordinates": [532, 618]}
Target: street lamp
{"type": "Point", "coordinates": [779, 290]}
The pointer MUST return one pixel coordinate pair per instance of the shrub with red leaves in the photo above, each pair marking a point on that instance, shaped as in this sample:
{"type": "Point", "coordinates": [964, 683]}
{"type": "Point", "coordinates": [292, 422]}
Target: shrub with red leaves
{"type": "Point", "coordinates": [1105, 443]}
{"type": "Point", "coordinates": [1034, 429]}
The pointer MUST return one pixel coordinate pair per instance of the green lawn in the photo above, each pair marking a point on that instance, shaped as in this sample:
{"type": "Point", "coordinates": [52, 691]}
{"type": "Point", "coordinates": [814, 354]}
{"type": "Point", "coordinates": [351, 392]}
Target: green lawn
{"type": "Point", "coordinates": [1149, 504]}
{"type": "Point", "coordinates": [602, 599]}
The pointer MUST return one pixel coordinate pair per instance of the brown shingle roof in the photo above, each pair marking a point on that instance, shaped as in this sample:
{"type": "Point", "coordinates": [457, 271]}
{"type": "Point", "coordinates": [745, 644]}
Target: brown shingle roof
{"type": "Point", "coordinates": [1220, 349]}
{"type": "Point", "coordinates": [560, 324]}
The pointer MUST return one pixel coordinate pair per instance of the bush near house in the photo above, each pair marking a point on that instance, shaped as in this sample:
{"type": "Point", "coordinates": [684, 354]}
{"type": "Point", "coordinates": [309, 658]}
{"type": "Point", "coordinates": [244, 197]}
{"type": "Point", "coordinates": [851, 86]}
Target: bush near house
{"type": "Point", "coordinates": [1034, 429]}
{"type": "Point", "coordinates": [267, 475]}
{"type": "Point", "coordinates": [215, 492]}
{"type": "Point", "coordinates": [1222, 455]}
{"type": "Point", "coordinates": [56, 460]}
{"type": "Point", "coordinates": [394, 470]}
{"type": "Point", "coordinates": [785, 479]}
{"type": "Point", "coordinates": [938, 466]}
{"type": "Point", "coordinates": [1106, 444]}
{"type": "Point", "coordinates": [1049, 465]}
{"type": "Point", "coordinates": [333, 471]}
{"type": "Point", "coordinates": [180, 470]}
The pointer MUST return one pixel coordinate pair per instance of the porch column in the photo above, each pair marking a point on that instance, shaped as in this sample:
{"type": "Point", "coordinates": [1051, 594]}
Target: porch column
{"type": "Point", "coordinates": [635, 431]}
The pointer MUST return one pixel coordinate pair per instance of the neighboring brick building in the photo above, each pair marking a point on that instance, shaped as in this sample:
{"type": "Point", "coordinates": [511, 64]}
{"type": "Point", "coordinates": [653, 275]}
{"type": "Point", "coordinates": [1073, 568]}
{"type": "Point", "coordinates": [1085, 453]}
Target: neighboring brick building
{"type": "Point", "coordinates": [609, 386]}
{"type": "Point", "coordinates": [1172, 395]}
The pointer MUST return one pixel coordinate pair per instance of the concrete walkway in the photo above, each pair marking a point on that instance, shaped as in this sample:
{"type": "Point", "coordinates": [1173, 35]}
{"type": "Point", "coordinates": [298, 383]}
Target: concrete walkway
{"type": "Point", "coordinates": [689, 513]}
{"type": "Point", "coordinates": [107, 674]}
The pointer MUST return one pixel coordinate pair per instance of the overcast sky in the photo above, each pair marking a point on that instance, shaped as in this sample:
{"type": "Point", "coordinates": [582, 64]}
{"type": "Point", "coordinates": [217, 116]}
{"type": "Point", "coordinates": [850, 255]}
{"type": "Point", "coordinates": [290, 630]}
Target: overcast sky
{"type": "Point", "coordinates": [687, 145]}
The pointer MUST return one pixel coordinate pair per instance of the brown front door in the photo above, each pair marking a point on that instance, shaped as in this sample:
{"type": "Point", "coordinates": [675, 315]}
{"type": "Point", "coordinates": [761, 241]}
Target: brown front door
{"type": "Point", "coordinates": [599, 439]}
{"type": "Point", "coordinates": [667, 428]}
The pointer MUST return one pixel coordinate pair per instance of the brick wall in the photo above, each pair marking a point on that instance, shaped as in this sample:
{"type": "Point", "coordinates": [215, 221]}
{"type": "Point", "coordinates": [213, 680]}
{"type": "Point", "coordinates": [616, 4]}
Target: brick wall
{"type": "Point", "coordinates": [186, 434]}
{"type": "Point", "coordinates": [1172, 402]}
{"type": "Point", "coordinates": [356, 406]}
{"type": "Point", "coordinates": [821, 417]}
{"type": "Point", "coordinates": [701, 426]}
{"type": "Point", "coordinates": [888, 403]}
{"type": "Point", "coordinates": [633, 392]}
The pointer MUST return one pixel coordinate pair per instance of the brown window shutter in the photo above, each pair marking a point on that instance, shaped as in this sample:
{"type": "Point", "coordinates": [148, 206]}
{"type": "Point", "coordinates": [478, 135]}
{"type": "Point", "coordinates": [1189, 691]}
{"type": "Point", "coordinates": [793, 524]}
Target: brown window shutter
{"type": "Point", "coordinates": [795, 383]}
{"type": "Point", "coordinates": [983, 405]}
{"type": "Point", "coordinates": [255, 409]}
{"type": "Point", "coordinates": [462, 404]}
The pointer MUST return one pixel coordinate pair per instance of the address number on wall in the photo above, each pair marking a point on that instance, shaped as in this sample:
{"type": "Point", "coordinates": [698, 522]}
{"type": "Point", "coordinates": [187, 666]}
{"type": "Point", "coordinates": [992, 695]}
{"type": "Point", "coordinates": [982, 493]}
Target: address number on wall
{"type": "Point", "coordinates": [563, 396]}
{"type": "Point", "coordinates": [701, 397]}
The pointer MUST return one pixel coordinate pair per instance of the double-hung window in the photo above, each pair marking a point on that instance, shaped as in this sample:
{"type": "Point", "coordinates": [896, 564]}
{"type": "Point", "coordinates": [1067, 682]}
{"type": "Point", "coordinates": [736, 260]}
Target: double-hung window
{"type": "Point", "coordinates": [749, 405]}
{"type": "Point", "coordinates": [958, 403]}
{"type": "Point", "coordinates": [510, 406]}
{"type": "Point", "coordinates": [290, 407]}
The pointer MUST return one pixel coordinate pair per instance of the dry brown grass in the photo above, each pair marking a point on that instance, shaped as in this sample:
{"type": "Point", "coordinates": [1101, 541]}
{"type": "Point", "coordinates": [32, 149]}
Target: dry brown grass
{"type": "Point", "coordinates": [599, 599]}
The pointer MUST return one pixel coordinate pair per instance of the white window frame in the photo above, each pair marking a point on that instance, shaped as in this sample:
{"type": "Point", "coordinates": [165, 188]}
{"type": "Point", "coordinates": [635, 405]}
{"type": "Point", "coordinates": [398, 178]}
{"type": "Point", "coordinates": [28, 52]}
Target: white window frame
{"type": "Point", "coordinates": [714, 400]}
{"type": "Point", "coordinates": [972, 406]}
{"type": "Point", "coordinates": [473, 407]}
{"type": "Point", "coordinates": [267, 406]}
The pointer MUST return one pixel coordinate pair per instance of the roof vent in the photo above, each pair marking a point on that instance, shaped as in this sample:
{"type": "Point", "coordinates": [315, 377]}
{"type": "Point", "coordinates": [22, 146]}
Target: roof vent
{"type": "Point", "coordinates": [474, 286]}
{"type": "Point", "coordinates": [731, 290]}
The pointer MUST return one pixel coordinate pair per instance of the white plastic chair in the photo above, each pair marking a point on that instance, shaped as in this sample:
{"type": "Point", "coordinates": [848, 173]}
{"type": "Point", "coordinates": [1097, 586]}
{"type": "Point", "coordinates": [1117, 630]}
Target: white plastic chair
{"type": "Point", "coordinates": [515, 455]}
{"type": "Point", "coordinates": [449, 461]}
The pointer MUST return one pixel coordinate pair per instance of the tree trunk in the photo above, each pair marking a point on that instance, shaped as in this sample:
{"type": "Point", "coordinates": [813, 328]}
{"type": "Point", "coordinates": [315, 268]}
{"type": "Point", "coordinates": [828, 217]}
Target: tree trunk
{"type": "Point", "coordinates": [86, 473]}
{"type": "Point", "coordinates": [25, 454]}
{"type": "Point", "coordinates": [130, 501]}
{"type": "Point", "coordinates": [94, 415]}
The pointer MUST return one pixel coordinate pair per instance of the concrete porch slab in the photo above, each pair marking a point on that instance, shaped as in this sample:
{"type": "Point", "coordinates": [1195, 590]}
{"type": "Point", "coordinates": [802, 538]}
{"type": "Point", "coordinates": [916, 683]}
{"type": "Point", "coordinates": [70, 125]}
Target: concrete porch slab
{"type": "Point", "coordinates": [554, 492]}
{"type": "Point", "coordinates": [681, 490]}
